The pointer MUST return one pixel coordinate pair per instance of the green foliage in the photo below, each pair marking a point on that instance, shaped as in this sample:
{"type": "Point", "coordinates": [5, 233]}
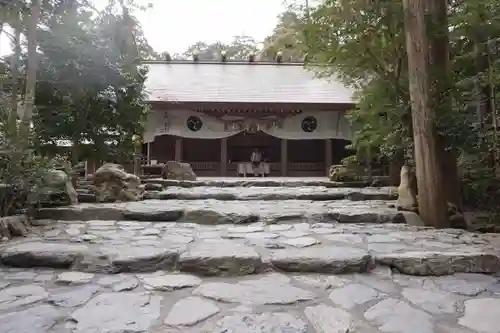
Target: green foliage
{"type": "Point", "coordinates": [363, 44]}
{"type": "Point", "coordinates": [90, 90]}
{"type": "Point", "coordinates": [20, 170]}
{"type": "Point", "coordinates": [239, 49]}
{"type": "Point", "coordinates": [287, 38]}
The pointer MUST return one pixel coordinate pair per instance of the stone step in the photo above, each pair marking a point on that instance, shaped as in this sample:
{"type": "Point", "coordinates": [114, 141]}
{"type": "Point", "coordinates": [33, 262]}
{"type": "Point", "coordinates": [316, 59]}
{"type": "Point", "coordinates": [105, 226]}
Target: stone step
{"type": "Point", "coordinates": [227, 250]}
{"type": "Point", "coordinates": [49, 301]}
{"type": "Point", "coordinates": [261, 182]}
{"type": "Point", "coordinates": [215, 212]}
{"type": "Point", "coordinates": [313, 193]}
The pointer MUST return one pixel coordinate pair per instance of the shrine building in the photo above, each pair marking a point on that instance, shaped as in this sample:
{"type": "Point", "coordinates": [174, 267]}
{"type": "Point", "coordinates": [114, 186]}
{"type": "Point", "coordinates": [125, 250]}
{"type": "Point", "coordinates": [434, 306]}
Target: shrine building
{"type": "Point", "coordinates": [213, 115]}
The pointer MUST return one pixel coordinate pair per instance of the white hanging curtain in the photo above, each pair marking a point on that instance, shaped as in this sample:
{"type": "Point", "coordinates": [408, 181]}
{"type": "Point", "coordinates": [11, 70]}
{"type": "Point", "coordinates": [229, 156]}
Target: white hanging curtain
{"type": "Point", "coordinates": [313, 125]}
{"type": "Point", "coordinates": [187, 124]}
{"type": "Point", "coordinates": [304, 126]}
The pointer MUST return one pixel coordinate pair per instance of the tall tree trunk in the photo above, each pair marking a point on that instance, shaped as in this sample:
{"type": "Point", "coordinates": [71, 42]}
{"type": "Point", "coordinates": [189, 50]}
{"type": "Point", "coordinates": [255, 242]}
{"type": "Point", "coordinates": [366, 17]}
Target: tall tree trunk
{"type": "Point", "coordinates": [431, 196]}
{"type": "Point", "coordinates": [29, 98]}
{"type": "Point", "coordinates": [441, 103]}
{"type": "Point", "coordinates": [492, 106]}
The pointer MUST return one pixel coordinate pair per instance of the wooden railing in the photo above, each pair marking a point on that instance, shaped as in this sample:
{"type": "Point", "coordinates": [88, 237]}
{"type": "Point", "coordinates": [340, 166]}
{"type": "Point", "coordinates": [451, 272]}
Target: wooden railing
{"type": "Point", "coordinates": [205, 166]}
{"type": "Point", "coordinates": [306, 166]}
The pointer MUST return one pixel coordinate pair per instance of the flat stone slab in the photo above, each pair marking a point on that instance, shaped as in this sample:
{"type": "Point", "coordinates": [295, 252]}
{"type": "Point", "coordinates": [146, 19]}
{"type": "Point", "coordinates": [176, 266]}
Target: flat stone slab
{"type": "Point", "coordinates": [43, 254]}
{"type": "Point", "coordinates": [37, 319]}
{"type": "Point", "coordinates": [272, 289]}
{"type": "Point", "coordinates": [190, 311]}
{"type": "Point", "coordinates": [228, 250]}
{"type": "Point", "coordinates": [220, 258]}
{"type": "Point", "coordinates": [214, 212]}
{"type": "Point", "coordinates": [326, 259]}
{"type": "Point", "coordinates": [316, 193]}
{"type": "Point", "coordinates": [112, 312]}
{"type": "Point", "coordinates": [262, 323]}
{"type": "Point", "coordinates": [481, 315]}
{"type": "Point", "coordinates": [443, 262]}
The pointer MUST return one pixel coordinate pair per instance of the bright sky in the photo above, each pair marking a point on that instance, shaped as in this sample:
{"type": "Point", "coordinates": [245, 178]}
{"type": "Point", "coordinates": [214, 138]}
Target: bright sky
{"type": "Point", "coordinates": [174, 25]}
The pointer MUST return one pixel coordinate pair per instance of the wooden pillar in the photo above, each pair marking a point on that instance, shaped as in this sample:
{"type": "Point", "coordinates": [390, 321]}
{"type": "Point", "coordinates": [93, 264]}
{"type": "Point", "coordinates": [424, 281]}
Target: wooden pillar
{"type": "Point", "coordinates": [148, 153]}
{"type": "Point", "coordinates": [223, 157]}
{"type": "Point", "coordinates": [328, 155]}
{"type": "Point", "coordinates": [178, 149]}
{"type": "Point", "coordinates": [284, 157]}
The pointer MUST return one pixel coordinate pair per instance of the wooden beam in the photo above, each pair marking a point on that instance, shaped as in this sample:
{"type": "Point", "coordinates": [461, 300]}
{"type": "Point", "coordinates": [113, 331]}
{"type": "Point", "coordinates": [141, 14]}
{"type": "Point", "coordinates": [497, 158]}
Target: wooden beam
{"type": "Point", "coordinates": [223, 157]}
{"type": "Point", "coordinates": [328, 155]}
{"type": "Point", "coordinates": [178, 149]}
{"type": "Point", "coordinates": [284, 157]}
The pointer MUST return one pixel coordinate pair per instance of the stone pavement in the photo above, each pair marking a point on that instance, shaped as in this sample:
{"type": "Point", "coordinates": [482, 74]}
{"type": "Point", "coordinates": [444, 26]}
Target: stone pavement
{"type": "Point", "coordinates": [291, 268]}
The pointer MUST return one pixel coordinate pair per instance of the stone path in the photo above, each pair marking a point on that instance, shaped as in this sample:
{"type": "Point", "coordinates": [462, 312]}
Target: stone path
{"type": "Point", "coordinates": [214, 212]}
{"type": "Point", "coordinates": [38, 301]}
{"type": "Point", "coordinates": [316, 193]}
{"type": "Point", "coordinates": [291, 269]}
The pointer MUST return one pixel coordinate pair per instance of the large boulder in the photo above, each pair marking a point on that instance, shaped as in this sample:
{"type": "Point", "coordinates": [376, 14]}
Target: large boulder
{"type": "Point", "coordinates": [13, 199]}
{"type": "Point", "coordinates": [407, 197]}
{"type": "Point", "coordinates": [55, 189]}
{"type": "Point", "coordinates": [112, 183]}
{"type": "Point", "coordinates": [13, 226]}
{"type": "Point", "coordinates": [346, 173]}
{"type": "Point", "coordinates": [178, 171]}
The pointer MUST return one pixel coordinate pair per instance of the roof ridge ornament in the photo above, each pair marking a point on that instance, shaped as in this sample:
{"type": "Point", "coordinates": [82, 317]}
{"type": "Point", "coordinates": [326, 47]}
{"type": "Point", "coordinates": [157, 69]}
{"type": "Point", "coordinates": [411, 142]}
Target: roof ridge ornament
{"type": "Point", "coordinates": [223, 55]}
{"type": "Point", "coordinates": [196, 55]}
{"type": "Point", "coordinates": [251, 57]}
{"type": "Point", "coordinates": [279, 57]}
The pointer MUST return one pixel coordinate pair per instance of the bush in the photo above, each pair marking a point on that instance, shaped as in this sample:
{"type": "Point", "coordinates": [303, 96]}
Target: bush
{"type": "Point", "coordinates": [21, 170]}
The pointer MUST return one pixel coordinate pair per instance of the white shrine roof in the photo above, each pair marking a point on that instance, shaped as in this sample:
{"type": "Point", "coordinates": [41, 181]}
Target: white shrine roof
{"type": "Point", "coordinates": [241, 82]}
